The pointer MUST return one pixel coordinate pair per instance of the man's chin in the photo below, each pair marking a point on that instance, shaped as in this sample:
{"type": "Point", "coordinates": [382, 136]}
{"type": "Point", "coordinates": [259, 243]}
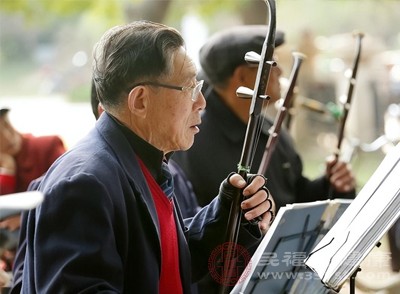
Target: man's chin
{"type": "Point", "coordinates": [187, 146]}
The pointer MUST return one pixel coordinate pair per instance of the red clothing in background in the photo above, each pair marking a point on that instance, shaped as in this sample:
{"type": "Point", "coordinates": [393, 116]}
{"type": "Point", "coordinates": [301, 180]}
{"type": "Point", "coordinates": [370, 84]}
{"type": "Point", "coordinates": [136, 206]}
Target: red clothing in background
{"type": "Point", "coordinates": [36, 156]}
{"type": "Point", "coordinates": [7, 184]}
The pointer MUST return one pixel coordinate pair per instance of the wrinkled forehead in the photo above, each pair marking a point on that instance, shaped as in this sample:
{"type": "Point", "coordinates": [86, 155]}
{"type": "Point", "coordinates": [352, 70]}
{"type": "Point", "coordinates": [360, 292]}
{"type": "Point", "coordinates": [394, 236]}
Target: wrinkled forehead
{"type": "Point", "coordinates": [183, 65]}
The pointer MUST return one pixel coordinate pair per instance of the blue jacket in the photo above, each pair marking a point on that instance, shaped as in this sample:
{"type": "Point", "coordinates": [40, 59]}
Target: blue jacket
{"type": "Point", "coordinates": [97, 229]}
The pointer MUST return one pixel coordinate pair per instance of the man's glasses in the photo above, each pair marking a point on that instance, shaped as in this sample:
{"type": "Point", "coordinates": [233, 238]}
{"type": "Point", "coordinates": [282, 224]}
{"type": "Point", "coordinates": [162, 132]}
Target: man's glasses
{"type": "Point", "coordinates": [195, 90]}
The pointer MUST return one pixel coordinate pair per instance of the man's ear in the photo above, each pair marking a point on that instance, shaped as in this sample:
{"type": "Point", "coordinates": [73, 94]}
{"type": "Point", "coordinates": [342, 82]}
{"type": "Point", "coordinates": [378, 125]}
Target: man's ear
{"type": "Point", "coordinates": [138, 101]}
{"type": "Point", "coordinates": [245, 75]}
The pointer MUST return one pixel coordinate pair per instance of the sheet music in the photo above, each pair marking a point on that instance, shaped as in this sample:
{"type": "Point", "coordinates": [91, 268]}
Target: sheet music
{"type": "Point", "coordinates": [363, 224]}
{"type": "Point", "coordinates": [277, 266]}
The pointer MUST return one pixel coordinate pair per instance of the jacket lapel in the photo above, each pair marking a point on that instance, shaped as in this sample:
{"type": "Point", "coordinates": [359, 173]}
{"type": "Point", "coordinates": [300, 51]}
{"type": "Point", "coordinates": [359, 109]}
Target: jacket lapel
{"type": "Point", "coordinates": [127, 158]}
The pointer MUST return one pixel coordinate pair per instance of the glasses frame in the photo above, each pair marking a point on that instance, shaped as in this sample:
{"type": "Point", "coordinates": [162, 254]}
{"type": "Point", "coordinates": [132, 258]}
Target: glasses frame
{"type": "Point", "coordinates": [195, 90]}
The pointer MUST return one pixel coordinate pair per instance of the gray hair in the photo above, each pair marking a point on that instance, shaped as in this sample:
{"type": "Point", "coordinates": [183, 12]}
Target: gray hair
{"type": "Point", "coordinates": [130, 54]}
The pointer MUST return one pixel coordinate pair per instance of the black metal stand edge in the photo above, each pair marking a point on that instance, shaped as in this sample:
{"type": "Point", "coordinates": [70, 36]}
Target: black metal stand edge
{"type": "Point", "coordinates": [353, 281]}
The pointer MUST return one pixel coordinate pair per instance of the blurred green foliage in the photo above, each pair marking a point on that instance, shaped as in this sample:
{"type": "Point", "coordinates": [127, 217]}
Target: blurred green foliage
{"type": "Point", "coordinates": [30, 29]}
{"type": "Point", "coordinates": [44, 11]}
{"type": "Point", "coordinates": [38, 39]}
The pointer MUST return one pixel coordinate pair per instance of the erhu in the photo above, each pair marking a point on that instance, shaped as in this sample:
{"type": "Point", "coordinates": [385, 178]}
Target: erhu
{"type": "Point", "coordinates": [347, 103]}
{"type": "Point", "coordinates": [265, 64]}
{"type": "Point", "coordinates": [283, 110]}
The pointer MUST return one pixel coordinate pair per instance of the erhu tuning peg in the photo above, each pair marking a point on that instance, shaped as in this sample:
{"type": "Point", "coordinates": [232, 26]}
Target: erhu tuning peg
{"type": "Point", "coordinates": [252, 57]}
{"type": "Point", "coordinates": [244, 92]}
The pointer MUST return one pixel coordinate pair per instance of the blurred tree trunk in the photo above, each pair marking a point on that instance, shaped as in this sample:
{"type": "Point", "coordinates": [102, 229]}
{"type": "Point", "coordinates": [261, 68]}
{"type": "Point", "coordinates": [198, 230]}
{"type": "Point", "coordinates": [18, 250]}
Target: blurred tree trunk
{"type": "Point", "coordinates": [154, 10]}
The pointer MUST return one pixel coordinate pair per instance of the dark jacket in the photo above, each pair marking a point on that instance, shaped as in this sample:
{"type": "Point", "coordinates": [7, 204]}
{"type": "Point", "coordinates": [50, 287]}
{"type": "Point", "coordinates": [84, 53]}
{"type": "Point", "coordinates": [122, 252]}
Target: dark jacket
{"type": "Point", "coordinates": [97, 229]}
{"type": "Point", "coordinates": [183, 191]}
{"type": "Point", "coordinates": [217, 150]}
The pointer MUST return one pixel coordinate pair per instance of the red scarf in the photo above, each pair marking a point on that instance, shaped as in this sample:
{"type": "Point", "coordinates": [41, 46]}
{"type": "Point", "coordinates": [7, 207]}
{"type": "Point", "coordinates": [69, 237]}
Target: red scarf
{"type": "Point", "coordinates": [7, 184]}
{"type": "Point", "coordinates": [170, 278]}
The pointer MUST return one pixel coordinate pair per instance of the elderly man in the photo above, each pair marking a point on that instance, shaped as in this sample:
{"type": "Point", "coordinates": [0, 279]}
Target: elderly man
{"type": "Point", "coordinates": [182, 187]}
{"type": "Point", "coordinates": [109, 221]}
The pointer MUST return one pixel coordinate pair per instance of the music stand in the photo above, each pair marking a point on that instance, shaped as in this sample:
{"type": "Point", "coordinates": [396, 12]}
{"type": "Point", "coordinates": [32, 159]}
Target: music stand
{"type": "Point", "coordinates": [277, 266]}
{"type": "Point", "coordinates": [339, 254]}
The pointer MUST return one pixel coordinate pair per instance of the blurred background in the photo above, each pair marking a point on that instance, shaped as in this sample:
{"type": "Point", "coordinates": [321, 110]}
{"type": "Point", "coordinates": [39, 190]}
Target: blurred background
{"type": "Point", "coordinates": [46, 47]}
{"type": "Point", "coordinates": [46, 55]}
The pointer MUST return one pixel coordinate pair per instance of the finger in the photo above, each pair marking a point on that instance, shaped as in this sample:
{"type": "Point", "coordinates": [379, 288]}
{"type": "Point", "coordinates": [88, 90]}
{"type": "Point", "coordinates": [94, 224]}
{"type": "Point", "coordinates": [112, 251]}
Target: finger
{"type": "Point", "coordinates": [266, 222]}
{"type": "Point", "coordinates": [337, 167]}
{"type": "Point", "coordinates": [259, 210]}
{"type": "Point", "coordinates": [340, 167]}
{"type": "Point", "coordinates": [237, 181]}
{"type": "Point", "coordinates": [344, 184]}
{"type": "Point", "coordinates": [341, 177]}
{"type": "Point", "coordinates": [330, 162]}
{"type": "Point", "coordinates": [256, 184]}
{"type": "Point", "coordinates": [256, 199]}
{"type": "Point", "coordinates": [269, 210]}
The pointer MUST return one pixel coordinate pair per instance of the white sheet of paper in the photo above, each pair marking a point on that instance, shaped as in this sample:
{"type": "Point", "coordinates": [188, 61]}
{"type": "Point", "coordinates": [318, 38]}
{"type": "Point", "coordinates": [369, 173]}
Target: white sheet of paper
{"type": "Point", "coordinates": [362, 225]}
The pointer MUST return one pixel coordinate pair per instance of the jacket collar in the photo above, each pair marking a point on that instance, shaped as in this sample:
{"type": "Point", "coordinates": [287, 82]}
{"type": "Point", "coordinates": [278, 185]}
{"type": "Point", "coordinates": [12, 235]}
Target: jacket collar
{"type": "Point", "coordinates": [112, 133]}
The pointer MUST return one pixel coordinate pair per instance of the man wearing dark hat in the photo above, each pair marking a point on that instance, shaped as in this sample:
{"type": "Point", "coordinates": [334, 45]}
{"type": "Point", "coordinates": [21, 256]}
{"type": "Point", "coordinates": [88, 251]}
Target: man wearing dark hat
{"type": "Point", "coordinates": [219, 145]}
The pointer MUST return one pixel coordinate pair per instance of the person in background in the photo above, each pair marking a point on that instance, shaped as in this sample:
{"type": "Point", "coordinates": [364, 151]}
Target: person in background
{"type": "Point", "coordinates": [31, 155]}
{"type": "Point", "coordinates": [109, 221]}
{"type": "Point", "coordinates": [8, 170]}
{"type": "Point", "coordinates": [219, 145]}
{"type": "Point", "coordinates": [23, 158]}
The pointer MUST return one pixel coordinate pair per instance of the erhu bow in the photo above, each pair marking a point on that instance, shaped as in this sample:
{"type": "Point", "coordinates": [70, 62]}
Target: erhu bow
{"type": "Point", "coordinates": [283, 110]}
{"type": "Point", "coordinates": [265, 63]}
